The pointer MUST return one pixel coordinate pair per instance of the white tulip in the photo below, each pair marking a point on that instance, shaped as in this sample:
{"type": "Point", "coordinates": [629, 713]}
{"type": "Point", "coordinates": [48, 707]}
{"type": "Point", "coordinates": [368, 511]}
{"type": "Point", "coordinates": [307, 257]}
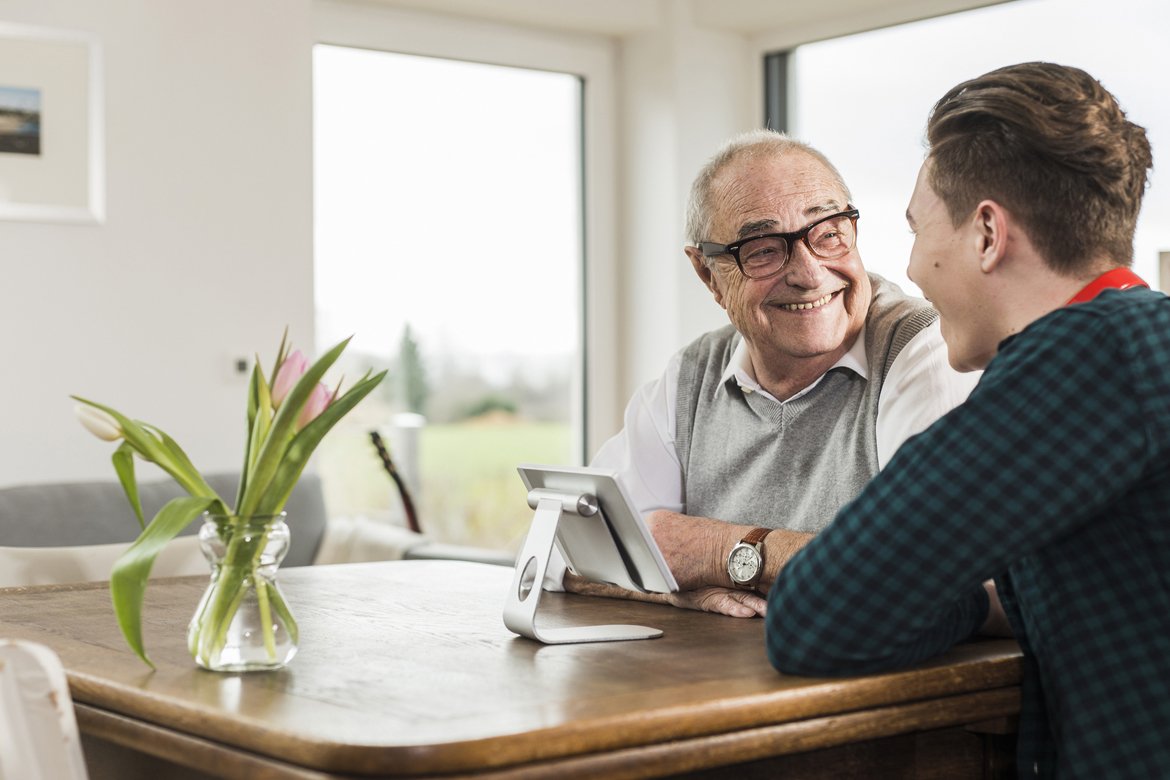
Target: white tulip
{"type": "Point", "coordinates": [99, 423]}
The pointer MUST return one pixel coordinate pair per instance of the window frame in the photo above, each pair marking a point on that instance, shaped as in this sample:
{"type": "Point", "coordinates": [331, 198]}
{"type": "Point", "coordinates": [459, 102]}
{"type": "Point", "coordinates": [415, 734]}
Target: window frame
{"type": "Point", "coordinates": [776, 89]}
{"type": "Point", "coordinates": [596, 403]}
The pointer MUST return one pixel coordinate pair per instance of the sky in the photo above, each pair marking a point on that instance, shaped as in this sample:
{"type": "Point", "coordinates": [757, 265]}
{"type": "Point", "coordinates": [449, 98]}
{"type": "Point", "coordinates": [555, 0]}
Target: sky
{"type": "Point", "coordinates": [20, 98]}
{"type": "Point", "coordinates": [447, 195]}
{"type": "Point", "coordinates": [863, 100]}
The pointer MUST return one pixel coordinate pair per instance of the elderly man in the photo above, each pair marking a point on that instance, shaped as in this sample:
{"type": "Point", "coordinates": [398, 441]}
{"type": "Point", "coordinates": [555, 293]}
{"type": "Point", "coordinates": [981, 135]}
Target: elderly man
{"type": "Point", "coordinates": [762, 430]}
{"type": "Point", "coordinates": [1054, 476]}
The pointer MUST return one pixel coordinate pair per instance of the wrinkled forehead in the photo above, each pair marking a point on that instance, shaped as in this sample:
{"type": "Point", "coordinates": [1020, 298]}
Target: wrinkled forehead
{"type": "Point", "coordinates": [782, 193]}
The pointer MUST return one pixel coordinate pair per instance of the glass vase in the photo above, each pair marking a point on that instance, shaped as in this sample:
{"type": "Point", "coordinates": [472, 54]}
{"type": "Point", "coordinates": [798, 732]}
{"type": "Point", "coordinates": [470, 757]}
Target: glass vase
{"type": "Point", "coordinates": [242, 623]}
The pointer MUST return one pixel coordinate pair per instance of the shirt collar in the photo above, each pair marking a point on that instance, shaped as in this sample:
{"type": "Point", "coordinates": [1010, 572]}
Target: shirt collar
{"type": "Point", "coordinates": [739, 368]}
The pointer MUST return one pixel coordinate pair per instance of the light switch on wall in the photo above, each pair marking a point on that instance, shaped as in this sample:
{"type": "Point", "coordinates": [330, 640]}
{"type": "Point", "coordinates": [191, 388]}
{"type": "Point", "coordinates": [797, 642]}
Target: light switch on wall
{"type": "Point", "coordinates": [234, 369]}
{"type": "Point", "coordinates": [1164, 271]}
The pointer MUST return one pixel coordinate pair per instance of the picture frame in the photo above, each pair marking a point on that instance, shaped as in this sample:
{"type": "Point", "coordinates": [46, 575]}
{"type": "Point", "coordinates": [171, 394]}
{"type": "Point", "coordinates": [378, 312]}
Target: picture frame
{"type": "Point", "coordinates": [52, 166]}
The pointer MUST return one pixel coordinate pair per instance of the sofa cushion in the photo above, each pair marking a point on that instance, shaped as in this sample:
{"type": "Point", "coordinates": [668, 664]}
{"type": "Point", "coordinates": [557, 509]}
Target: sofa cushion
{"type": "Point", "coordinates": [24, 566]}
{"type": "Point", "coordinates": [76, 514]}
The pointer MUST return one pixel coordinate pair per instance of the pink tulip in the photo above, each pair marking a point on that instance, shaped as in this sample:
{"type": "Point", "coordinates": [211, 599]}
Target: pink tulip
{"type": "Point", "coordinates": [292, 369]}
{"type": "Point", "coordinates": [318, 401]}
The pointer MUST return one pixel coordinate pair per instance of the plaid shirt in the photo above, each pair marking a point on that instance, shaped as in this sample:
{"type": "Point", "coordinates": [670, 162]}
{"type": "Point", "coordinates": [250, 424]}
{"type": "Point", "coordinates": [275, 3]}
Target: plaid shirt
{"type": "Point", "coordinates": [1053, 478]}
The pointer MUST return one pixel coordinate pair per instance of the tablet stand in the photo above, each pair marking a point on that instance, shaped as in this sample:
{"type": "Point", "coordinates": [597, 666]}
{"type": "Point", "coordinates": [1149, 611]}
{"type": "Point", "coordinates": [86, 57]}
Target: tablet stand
{"type": "Point", "coordinates": [524, 594]}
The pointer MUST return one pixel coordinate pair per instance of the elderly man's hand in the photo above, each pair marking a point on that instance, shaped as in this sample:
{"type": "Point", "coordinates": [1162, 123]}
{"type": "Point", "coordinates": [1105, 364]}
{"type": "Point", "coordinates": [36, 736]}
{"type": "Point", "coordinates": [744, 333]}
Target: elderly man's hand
{"type": "Point", "coordinates": [724, 601]}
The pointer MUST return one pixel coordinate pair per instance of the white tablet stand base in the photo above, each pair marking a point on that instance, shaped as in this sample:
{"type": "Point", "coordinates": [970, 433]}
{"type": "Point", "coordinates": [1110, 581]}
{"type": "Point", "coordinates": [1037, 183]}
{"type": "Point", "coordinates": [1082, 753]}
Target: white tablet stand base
{"type": "Point", "coordinates": [524, 594]}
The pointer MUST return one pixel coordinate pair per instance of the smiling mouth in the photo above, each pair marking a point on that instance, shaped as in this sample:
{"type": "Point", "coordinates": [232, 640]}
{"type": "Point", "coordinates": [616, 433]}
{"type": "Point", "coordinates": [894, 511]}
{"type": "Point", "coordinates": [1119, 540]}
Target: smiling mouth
{"type": "Point", "coordinates": [818, 303]}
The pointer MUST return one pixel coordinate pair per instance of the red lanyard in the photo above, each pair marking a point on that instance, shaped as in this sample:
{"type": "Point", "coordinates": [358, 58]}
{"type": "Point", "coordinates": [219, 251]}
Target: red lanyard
{"type": "Point", "coordinates": [1118, 278]}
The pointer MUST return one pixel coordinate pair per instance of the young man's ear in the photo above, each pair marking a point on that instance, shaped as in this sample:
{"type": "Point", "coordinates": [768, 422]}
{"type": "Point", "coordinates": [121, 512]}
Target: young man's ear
{"type": "Point", "coordinates": [704, 272]}
{"type": "Point", "coordinates": [990, 225]}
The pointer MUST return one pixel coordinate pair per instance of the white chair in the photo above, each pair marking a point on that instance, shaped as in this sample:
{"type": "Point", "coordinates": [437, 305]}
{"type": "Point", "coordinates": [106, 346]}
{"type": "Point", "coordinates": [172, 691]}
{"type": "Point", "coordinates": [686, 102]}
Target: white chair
{"type": "Point", "coordinates": [38, 731]}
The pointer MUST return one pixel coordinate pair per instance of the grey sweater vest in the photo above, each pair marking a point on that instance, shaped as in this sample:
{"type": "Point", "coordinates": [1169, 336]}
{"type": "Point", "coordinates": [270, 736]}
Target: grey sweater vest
{"type": "Point", "coordinates": [747, 459]}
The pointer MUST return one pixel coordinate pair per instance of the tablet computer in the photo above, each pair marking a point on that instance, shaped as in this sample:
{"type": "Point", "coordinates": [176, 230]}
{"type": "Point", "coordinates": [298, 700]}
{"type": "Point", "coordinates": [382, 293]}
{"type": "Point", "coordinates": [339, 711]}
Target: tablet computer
{"type": "Point", "coordinates": [612, 545]}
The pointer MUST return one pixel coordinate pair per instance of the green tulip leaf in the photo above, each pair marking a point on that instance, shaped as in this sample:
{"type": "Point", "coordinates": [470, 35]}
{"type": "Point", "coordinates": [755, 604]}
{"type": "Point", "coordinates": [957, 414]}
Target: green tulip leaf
{"type": "Point", "coordinates": [281, 356]}
{"type": "Point", "coordinates": [259, 425]}
{"type": "Point", "coordinates": [123, 459]}
{"type": "Point", "coordinates": [180, 459]}
{"type": "Point", "coordinates": [132, 569]}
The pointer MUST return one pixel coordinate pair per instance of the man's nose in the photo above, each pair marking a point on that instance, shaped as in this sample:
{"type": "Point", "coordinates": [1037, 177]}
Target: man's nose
{"type": "Point", "coordinates": [803, 269]}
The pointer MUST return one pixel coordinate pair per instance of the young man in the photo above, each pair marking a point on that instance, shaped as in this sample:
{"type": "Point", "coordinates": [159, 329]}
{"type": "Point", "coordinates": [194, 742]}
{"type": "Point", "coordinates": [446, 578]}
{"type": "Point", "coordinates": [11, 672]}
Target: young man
{"type": "Point", "coordinates": [1054, 476]}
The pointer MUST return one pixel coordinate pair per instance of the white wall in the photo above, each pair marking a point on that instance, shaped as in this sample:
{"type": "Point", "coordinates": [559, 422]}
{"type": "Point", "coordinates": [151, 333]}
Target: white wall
{"type": "Point", "coordinates": [206, 252]}
{"type": "Point", "coordinates": [683, 92]}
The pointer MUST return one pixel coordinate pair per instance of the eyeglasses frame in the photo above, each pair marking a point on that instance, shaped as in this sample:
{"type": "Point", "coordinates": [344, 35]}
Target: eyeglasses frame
{"type": "Point", "coordinates": [710, 249]}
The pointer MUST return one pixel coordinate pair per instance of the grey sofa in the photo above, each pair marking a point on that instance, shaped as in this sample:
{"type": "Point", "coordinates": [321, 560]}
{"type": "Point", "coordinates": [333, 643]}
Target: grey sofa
{"type": "Point", "coordinates": [74, 531]}
{"type": "Point", "coordinates": [71, 514]}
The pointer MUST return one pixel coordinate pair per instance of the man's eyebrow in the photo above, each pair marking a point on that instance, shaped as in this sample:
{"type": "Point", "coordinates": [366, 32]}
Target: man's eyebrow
{"type": "Point", "coordinates": [831, 207]}
{"type": "Point", "coordinates": [909, 218]}
{"type": "Point", "coordinates": [771, 225]}
{"type": "Point", "coordinates": [757, 227]}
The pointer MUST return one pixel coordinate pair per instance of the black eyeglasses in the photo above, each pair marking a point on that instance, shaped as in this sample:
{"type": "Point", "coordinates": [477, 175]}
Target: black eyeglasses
{"type": "Point", "coordinates": [759, 257]}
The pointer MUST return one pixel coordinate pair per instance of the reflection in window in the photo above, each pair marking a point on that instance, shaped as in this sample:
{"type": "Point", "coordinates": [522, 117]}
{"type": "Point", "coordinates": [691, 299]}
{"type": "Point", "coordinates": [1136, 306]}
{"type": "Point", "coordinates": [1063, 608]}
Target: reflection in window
{"type": "Point", "coordinates": [448, 238]}
{"type": "Point", "coordinates": [863, 100]}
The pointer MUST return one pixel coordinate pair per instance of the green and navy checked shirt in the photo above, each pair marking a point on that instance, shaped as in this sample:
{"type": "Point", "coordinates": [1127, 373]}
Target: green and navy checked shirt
{"type": "Point", "coordinates": [1053, 478]}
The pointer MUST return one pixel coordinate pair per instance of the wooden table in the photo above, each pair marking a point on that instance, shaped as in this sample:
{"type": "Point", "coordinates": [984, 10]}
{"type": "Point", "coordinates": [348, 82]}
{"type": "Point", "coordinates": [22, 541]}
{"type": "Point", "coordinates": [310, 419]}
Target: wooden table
{"type": "Point", "coordinates": [405, 669]}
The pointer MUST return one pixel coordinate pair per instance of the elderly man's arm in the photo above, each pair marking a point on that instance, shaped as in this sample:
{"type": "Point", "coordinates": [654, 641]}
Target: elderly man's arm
{"type": "Point", "coordinates": [695, 549]}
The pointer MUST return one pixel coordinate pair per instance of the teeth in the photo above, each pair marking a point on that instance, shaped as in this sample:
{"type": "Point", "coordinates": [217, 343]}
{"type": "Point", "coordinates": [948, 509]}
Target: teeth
{"type": "Point", "coordinates": [813, 305]}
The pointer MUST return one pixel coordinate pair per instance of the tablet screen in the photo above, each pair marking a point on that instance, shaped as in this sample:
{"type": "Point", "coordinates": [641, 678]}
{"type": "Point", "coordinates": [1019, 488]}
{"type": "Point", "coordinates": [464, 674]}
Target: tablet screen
{"type": "Point", "coordinates": [613, 545]}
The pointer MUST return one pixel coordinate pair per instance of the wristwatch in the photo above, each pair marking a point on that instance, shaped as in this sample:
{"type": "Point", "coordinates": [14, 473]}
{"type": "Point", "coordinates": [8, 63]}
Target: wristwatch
{"type": "Point", "coordinates": [745, 562]}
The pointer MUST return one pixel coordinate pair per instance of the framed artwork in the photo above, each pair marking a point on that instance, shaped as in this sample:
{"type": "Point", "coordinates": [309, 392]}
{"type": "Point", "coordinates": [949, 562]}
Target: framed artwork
{"type": "Point", "coordinates": [51, 139]}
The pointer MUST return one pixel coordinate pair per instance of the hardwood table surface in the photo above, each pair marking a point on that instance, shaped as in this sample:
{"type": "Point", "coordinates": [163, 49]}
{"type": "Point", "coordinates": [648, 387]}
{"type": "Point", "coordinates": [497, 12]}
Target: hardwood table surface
{"type": "Point", "coordinates": [405, 668]}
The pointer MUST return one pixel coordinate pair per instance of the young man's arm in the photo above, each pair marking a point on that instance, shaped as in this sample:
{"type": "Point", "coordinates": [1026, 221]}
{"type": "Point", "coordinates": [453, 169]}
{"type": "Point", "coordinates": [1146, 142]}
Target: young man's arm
{"type": "Point", "coordinates": [898, 576]}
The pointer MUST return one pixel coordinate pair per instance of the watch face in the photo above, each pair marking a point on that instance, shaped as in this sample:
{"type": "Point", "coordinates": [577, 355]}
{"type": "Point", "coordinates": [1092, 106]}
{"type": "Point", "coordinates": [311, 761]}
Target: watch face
{"type": "Point", "coordinates": [744, 564]}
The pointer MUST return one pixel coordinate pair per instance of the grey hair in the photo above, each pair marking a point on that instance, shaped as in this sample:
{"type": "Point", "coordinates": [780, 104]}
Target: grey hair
{"type": "Point", "coordinates": [752, 144]}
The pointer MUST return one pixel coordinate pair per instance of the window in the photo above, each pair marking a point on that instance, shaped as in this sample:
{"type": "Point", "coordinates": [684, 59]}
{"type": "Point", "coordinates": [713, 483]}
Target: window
{"type": "Point", "coordinates": [448, 238]}
{"type": "Point", "coordinates": [863, 100]}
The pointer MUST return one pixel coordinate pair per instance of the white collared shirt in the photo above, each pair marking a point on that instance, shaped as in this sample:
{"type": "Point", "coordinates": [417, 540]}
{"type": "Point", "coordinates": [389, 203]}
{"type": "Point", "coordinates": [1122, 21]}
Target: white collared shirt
{"type": "Point", "coordinates": [920, 387]}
